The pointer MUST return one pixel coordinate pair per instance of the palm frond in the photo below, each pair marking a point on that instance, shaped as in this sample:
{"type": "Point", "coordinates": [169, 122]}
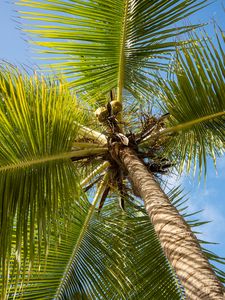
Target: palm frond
{"type": "Point", "coordinates": [78, 261]}
{"type": "Point", "coordinates": [103, 44]}
{"type": "Point", "coordinates": [38, 181]}
{"type": "Point", "coordinates": [195, 99]}
{"type": "Point", "coordinates": [108, 262]}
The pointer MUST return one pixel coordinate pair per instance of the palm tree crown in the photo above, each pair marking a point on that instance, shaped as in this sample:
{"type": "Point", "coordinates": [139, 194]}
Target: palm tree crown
{"type": "Point", "coordinates": [82, 212]}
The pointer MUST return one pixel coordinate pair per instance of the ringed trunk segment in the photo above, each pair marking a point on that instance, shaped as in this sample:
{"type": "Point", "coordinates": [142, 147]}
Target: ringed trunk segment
{"type": "Point", "coordinates": [179, 244]}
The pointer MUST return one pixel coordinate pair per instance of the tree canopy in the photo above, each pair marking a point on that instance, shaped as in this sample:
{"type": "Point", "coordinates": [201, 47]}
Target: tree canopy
{"type": "Point", "coordinates": [73, 224]}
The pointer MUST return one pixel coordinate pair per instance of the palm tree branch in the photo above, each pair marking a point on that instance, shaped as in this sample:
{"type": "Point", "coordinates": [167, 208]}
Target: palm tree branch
{"type": "Point", "coordinates": [40, 121]}
{"type": "Point", "coordinates": [81, 145]}
{"type": "Point", "coordinates": [72, 154]}
{"type": "Point", "coordinates": [192, 123]}
{"type": "Point", "coordinates": [88, 217]}
{"type": "Point", "coordinates": [92, 134]}
{"type": "Point", "coordinates": [95, 172]}
{"type": "Point", "coordinates": [89, 186]}
{"type": "Point", "coordinates": [181, 127]}
{"type": "Point", "coordinates": [122, 59]}
{"type": "Point", "coordinates": [111, 46]}
{"type": "Point", "coordinates": [194, 94]}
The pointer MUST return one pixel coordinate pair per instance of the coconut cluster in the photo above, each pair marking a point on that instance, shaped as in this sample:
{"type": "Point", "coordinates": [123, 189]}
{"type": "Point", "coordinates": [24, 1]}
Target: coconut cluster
{"type": "Point", "coordinates": [102, 113]}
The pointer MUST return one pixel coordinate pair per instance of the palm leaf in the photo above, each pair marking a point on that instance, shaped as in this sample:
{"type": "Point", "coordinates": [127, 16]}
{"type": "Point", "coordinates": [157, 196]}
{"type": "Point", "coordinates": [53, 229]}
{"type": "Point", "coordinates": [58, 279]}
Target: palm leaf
{"type": "Point", "coordinates": [77, 263]}
{"type": "Point", "coordinates": [195, 99]}
{"type": "Point", "coordinates": [101, 45]}
{"type": "Point", "coordinates": [38, 178]}
{"type": "Point", "coordinates": [105, 254]}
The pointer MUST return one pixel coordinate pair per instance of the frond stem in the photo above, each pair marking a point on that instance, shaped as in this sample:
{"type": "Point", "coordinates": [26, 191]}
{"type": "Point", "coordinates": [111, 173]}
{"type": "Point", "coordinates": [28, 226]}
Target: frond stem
{"type": "Point", "coordinates": [89, 215]}
{"type": "Point", "coordinates": [86, 145]}
{"type": "Point", "coordinates": [92, 134]}
{"type": "Point", "coordinates": [183, 126]}
{"type": "Point", "coordinates": [191, 123]}
{"type": "Point", "coordinates": [121, 73]}
{"type": "Point", "coordinates": [65, 155]}
{"type": "Point", "coordinates": [95, 172]}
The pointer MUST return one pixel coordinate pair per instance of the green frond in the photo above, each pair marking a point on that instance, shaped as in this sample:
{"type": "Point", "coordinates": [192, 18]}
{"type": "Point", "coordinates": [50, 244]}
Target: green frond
{"type": "Point", "coordinates": [46, 159]}
{"type": "Point", "coordinates": [80, 260]}
{"type": "Point", "coordinates": [48, 267]}
{"type": "Point", "coordinates": [38, 181]}
{"type": "Point", "coordinates": [65, 285]}
{"type": "Point", "coordinates": [195, 99]}
{"type": "Point", "coordinates": [118, 257]}
{"type": "Point", "coordinates": [100, 45]}
{"type": "Point", "coordinates": [98, 170]}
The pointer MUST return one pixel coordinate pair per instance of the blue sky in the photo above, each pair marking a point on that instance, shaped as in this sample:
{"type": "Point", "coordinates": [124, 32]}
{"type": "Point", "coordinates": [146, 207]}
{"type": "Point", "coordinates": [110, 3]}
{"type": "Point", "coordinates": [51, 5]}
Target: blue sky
{"type": "Point", "coordinates": [210, 196]}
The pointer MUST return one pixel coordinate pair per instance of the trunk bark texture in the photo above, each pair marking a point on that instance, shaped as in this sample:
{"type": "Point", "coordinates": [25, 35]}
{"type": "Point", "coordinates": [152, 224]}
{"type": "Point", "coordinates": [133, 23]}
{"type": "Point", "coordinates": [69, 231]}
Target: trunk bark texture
{"type": "Point", "coordinates": [177, 240]}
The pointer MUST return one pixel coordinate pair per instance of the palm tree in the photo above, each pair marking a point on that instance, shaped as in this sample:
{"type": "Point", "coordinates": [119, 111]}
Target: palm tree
{"type": "Point", "coordinates": [113, 54]}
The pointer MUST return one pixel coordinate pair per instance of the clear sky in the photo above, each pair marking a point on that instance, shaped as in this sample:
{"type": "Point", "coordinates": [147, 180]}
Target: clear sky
{"type": "Point", "coordinates": [210, 196]}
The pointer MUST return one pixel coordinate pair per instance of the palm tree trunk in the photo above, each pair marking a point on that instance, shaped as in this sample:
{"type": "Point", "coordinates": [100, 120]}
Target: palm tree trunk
{"type": "Point", "coordinates": [177, 240]}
